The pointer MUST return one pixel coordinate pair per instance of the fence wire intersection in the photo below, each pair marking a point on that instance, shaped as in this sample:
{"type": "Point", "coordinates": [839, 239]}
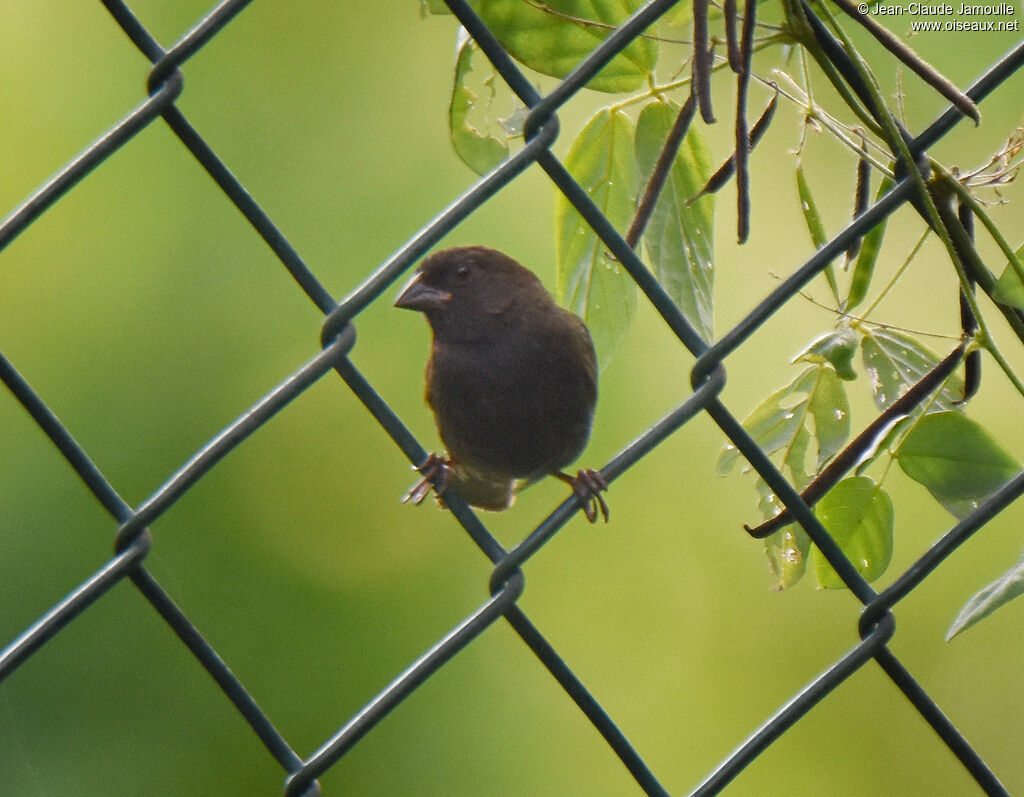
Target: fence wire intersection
{"type": "Point", "coordinates": [133, 539]}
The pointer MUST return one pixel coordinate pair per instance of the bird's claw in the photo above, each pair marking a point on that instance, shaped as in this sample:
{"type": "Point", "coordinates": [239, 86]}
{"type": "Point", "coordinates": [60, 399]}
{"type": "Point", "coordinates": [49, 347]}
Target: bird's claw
{"type": "Point", "coordinates": [437, 472]}
{"type": "Point", "coordinates": [588, 484]}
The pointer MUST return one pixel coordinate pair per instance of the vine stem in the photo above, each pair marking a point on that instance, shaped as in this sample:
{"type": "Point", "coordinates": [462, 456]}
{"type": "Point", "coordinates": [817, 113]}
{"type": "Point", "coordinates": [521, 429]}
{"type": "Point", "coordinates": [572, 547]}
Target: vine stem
{"type": "Point", "coordinates": [933, 216]}
{"type": "Point", "coordinates": [967, 198]}
{"type": "Point", "coordinates": [918, 65]}
{"type": "Point", "coordinates": [826, 120]}
{"type": "Point", "coordinates": [899, 273]}
{"type": "Point", "coordinates": [801, 27]}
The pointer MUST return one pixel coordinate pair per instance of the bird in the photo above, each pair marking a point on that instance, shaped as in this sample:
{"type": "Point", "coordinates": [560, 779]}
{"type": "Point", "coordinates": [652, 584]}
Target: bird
{"type": "Point", "coordinates": [511, 380]}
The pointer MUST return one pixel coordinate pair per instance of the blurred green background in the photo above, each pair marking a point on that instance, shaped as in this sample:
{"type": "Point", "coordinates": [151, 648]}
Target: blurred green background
{"type": "Point", "coordinates": [149, 315]}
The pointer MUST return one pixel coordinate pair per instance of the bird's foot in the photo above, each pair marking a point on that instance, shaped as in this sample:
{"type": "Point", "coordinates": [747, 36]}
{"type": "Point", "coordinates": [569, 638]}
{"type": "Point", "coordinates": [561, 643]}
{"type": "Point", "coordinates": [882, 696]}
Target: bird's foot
{"type": "Point", "coordinates": [437, 473]}
{"type": "Point", "coordinates": [588, 484]}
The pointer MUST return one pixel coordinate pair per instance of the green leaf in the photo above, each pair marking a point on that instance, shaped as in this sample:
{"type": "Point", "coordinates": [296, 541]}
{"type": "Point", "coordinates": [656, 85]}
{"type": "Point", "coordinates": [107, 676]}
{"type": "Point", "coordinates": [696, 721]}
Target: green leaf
{"type": "Point", "coordinates": [836, 347]}
{"type": "Point", "coordinates": [1004, 589]}
{"type": "Point", "coordinates": [895, 361]}
{"type": "Point", "coordinates": [773, 424]}
{"type": "Point", "coordinates": [479, 150]}
{"type": "Point", "coordinates": [830, 410]}
{"type": "Point", "coordinates": [1009, 289]}
{"type": "Point", "coordinates": [787, 551]}
{"type": "Point", "coordinates": [590, 282]}
{"type": "Point", "coordinates": [956, 460]}
{"type": "Point", "coordinates": [783, 421]}
{"type": "Point", "coordinates": [787, 548]}
{"type": "Point", "coordinates": [814, 224]}
{"type": "Point", "coordinates": [679, 237]}
{"type": "Point", "coordinates": [555, 36]}
{"type": "Point", "coordinates": [858, 514]}
{"type": "Point", "coordinates": [870, 246]}
{"type": "Point", "coordinates": [810, 210]}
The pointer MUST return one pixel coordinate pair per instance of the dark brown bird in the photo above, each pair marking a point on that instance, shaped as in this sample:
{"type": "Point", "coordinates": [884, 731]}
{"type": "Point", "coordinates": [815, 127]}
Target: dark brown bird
{"type": "Point", "coordinates": [512, 380]}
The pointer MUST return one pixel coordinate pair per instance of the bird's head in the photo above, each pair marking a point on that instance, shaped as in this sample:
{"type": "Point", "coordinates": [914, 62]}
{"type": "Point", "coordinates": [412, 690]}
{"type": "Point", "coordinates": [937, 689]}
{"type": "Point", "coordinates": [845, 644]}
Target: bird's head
{"type": "Point", "coordinates": [465, 291]}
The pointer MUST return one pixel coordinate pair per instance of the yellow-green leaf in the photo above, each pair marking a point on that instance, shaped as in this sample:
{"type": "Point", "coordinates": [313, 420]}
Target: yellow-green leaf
{"type": "Point", "coordinates": [679, 236]}
{"type": "Point", "coordinates": [555, 36]}
{"type": "Point", "coordinates": [858, 514]}
{"type": "Point", "coordinates": [591, 283]}
{"type": "Point", "coordinates": [479, 149]}
{"type": "Point", "coordinates": [870, 246]}
{"type": "Point", "coordinates": [956, 459]}
{"type": "Point", "coordinates": [1009, 289]}
{"type": "Point", "coordinates": [1004, 589]}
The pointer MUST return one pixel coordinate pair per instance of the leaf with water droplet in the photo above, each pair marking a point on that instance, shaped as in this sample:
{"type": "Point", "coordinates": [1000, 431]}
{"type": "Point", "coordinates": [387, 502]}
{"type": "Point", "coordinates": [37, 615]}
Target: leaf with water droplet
{"type": "Point", "coordinates": [895, 361]}
{"type": "Point", "coordinates": [870, 246]}
{"type": "Point", "coordinates": [787, 549]}
{"type": "Point", "coordinates": [858, 514]}
{"type": "Point", "coordinates": [811, 408]}
{"type": "Point", "coordinates": [783, 422]}
{"type": "Point", "coordinates": [956, 459]}
{"type": "Point", "coordinates": [602, 161]}
{"type": "Point", "coordinates": [680, 236]}
{"type": "Point", "coordinates": [828, 406]}
{"type": "Point", "coordinates": [814, 224]}
{"type": "Point", "coordinates": [773, 424]}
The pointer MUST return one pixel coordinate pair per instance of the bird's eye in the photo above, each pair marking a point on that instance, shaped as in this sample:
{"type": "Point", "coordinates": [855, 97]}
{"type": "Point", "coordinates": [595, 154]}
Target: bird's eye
{"type": "Point", "coordinates": [462, 272]}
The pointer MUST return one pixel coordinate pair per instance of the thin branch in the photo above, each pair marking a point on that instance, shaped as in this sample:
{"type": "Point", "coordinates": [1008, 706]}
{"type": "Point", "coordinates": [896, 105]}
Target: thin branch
{"type": "Point", "coordinates": [702, 60]}
{"type": "Point", "coordinates": [743, 143]}
{"type": "Point", "coordinates": [732, 42]}
{"type": "Point", "coordinates": [917, 65]}
{"type": "Point", "coordinates": [853, 453]}
{"type": "Point", "coordinates": [661, 170]}
{"type": "Point", "coordinates": [727, 169]}
{"type": "Point", "coordinates": [968, 321]}
{"type": "Point", "coordinates": [861, 195]}
{"type": "Point", "coordinates": [863, 321]}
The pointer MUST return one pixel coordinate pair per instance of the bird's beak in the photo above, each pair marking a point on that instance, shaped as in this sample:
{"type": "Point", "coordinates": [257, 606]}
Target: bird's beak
{"type": "Point", "coordinates": [417, 295]}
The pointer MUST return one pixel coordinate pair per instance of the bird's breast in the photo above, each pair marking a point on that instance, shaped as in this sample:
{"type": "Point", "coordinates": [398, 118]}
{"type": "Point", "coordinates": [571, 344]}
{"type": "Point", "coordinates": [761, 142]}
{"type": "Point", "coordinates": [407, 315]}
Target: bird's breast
{"type": "Point", "coordinates": [515, 407]}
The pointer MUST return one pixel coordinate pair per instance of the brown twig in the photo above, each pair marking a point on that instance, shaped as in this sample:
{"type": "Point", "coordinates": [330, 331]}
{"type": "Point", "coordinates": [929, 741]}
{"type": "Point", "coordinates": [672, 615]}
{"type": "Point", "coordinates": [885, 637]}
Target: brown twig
{"type": "Point", "coordinates": [743, 144]}
{"type": "Point", "coordinates": [862, 443]}
{"type": "Point", "coordinates": [732, 42]}
{"type": "Point", "coordinates": [702, 58]}
{"type": "Point", "coordinates": [661, 169]}
{"type": "Point", "coordinates": [727, 169]}
{"type": "Point", "coordinates": [968, 322]}
{"type": "Point", "coordinates": [862, 195]}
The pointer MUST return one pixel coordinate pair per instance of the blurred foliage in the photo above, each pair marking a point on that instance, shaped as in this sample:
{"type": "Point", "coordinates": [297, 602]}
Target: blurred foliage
{"type": "Point", "coordinates": [148, 315]}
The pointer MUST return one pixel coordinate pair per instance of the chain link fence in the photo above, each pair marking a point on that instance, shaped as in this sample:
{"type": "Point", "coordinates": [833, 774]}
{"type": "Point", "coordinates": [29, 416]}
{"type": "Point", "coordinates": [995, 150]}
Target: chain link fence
{"type": "Point", "coordinates": [134, 540]}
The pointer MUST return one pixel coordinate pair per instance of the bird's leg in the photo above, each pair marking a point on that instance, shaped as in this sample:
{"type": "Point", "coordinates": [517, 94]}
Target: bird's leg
{"type": "Point", "coordinates": [588, 484]}
{"type": "Point", "coordinates": [437, 472]}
